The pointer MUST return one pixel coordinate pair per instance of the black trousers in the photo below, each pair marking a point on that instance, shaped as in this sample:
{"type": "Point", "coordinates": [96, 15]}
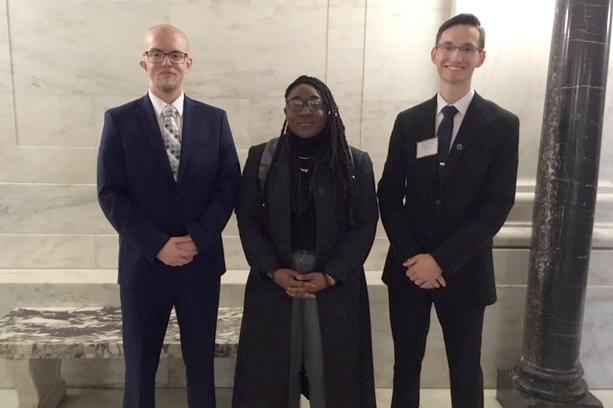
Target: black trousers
{"type": "Point", "coordinates": [145, 314]}
{"type": "Point", "coordinates": [462, 325]}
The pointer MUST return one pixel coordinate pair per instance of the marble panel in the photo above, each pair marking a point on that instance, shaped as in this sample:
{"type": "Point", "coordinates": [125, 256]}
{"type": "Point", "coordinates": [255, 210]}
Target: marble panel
{"type": "Point", "coordinates": [606, 153]}
{"type": "Point", "coordinates": [266, 117]}
{"type": "Point", "coordinates": [68, 48]}
{"type": "Point", "coordinates": [242, 156]}
{"type": "Point", "coordinates": [345, 54]}
{"type": "Point", "coordinates": [47, 251]}
{"type": "Point", "coordinates": [106, 251]}
{"type": "Point", "coordinates": [56, 120]}
{"type": "Point", "coordinates": [352, 3]}
{"type": "Point", "coordinates": [399, 37]}
{"type": "Point", "coordinates": [7, 114]}
{"type": "Point", "coordinates": [378, 118]}
{"type": "Point", "coordinates": [50, 209]}
{"type": "Point", "coordinates": [6, 86]}
{"type": "Point", "coordinates": [103, 102]}
{"type": "Point", "coordinates": [264, 47]}
{"type": "Point", "coordinates": [233, 250]}
{"type": "Point", "coordinates": [42, 277]}
{"type": "Point", "coordinates": [48, 165]}
{"type": "Point", "coordinates": [345, 64]}
{"type": "Point", "coordinates": [232, 294]}
{"type": "Point", "coordinates": [8, 132]}
{"type": "Point", "coordinates": [596, 354]}
{"type": "Point", "coordinates": [57, 294]}
{"type": "Point", "coordinates": [376, 258]}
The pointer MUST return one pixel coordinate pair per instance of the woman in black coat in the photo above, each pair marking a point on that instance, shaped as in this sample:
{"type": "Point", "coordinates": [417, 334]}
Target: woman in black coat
{"type": "Point", "coordinates": [307, 218]}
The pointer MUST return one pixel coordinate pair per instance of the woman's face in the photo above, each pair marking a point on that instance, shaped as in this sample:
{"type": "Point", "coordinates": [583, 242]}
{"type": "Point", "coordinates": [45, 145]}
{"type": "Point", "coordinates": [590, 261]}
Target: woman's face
{"type": "Point", "coordinates": [305, 111]}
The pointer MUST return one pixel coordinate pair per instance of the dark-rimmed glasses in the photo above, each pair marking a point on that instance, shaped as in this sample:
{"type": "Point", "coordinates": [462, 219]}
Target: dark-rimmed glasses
{"type": "Point", "coordinates": [157, 56]}
{"type": "Point", "coordinates": [466, 50]}
{"type": "Point", "coordinates": [296, 104]}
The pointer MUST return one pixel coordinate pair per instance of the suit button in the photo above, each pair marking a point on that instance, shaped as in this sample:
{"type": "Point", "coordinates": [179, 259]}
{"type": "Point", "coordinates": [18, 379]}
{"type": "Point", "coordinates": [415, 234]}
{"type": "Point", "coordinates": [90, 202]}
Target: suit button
{"type": "Point", "coordinates": [438, 202]}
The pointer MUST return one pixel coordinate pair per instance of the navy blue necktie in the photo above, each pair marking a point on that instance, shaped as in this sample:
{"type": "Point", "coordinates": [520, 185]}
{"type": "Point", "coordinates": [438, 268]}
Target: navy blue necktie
{"type": "Point", "coordinates": [445, 130]}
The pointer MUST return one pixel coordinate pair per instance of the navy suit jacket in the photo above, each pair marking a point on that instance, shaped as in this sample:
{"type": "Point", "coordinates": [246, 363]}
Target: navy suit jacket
{"type": "Point", "coordinates": [142, 201]}
{"type": "Point", "coordinates": [451, 212]}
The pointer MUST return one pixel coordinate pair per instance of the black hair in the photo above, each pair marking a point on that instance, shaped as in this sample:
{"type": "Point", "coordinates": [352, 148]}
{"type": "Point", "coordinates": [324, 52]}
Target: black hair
{"type": "Point", "coordinates": [341, 162]}
{"type": "Point", "coordinates": [463, 19]}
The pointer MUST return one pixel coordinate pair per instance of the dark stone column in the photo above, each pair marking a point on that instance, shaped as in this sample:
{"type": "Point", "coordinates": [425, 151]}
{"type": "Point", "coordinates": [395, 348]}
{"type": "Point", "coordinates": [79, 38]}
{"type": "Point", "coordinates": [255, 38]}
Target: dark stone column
{"type": "Point", "coordinates": [550, 374]}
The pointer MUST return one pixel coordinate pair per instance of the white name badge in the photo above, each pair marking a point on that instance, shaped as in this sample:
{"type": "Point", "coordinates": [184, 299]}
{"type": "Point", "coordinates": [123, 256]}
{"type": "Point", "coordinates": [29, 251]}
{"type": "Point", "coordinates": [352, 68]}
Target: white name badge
{"type": "Point", "coordinates": [427, 148]}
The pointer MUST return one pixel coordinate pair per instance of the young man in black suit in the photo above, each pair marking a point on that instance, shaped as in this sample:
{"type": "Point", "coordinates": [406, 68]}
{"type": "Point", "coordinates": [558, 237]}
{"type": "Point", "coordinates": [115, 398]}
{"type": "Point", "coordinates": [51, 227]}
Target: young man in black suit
{"type": "Point", "coordinates": [168, 181]}
{"type": "Point", "coordinates": [447, 188]}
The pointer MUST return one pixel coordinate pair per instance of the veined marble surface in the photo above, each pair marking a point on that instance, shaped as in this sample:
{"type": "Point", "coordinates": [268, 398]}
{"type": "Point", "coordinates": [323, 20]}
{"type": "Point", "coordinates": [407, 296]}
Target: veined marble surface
{"type": "Point", "coordinates": [94, 332]}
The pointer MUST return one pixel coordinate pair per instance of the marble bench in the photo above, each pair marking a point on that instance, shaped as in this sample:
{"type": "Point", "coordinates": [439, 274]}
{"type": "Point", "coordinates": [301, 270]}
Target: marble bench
{"type": "Point", "coordinates": [33, 342]}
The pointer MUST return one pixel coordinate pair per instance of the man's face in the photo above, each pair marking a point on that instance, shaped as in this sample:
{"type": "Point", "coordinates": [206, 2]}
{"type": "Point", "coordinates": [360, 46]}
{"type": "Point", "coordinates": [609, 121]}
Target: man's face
{"type": "Point", "coordinates": [165, 77]}
{"type": "Point", "coordinates": [457, 54]}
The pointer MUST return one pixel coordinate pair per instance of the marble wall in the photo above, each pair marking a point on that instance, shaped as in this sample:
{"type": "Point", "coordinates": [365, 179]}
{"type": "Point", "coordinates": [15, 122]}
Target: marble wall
{"type": "Point", "coordinates": [65, 61]}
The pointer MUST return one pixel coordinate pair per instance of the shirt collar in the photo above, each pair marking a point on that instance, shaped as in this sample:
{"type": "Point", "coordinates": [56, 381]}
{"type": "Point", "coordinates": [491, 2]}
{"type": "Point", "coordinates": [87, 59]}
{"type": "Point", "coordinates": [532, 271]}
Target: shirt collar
{"type": "Point", "coordinates": [461, 104]}
{"type": "Point", "coordinates": [159, 105]}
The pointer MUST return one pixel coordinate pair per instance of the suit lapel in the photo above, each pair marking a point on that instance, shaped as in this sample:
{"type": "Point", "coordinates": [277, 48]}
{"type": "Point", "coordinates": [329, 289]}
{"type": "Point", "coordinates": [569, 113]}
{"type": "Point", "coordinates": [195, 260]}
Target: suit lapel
{"type": "Point", "coordinates": [424, 131]}
{"type": "Point", "coordinates": [465, 137]}
{"type": "Point", "coordinates": [278, 200]}
{"type": "Point", "coordinates": [146, 115]}
{"type": "Point", "coordinates": [188, 133]}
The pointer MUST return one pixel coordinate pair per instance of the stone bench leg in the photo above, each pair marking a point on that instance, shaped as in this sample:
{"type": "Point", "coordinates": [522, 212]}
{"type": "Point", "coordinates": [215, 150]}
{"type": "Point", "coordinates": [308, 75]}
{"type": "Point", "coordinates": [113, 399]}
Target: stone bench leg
{"type": "Point", "coordinates": [38, 382]}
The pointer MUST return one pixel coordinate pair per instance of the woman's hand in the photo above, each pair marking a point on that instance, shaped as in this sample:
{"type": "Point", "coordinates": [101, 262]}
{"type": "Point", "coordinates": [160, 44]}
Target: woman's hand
{"type": "Point", "coordinates": [317, 280]}
{"type": "Point", "coordinates": [293, 286]}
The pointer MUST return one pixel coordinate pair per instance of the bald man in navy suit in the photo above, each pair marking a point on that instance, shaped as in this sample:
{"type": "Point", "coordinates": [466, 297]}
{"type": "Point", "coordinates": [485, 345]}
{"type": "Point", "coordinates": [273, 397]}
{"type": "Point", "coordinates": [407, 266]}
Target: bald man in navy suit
{"type": "Point", "coordinates": [447, 188]}
{"type": "Point", "coordinates": [168, 181]}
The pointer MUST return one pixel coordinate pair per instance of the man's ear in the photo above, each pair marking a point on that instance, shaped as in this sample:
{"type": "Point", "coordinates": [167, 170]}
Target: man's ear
{"type": "Point", "coordinates": [481, 58]}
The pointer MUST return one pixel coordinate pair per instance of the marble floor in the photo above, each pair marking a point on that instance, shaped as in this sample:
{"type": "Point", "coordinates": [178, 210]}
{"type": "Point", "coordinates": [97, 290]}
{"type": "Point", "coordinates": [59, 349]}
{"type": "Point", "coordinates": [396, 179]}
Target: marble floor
{"type": "Point", "coordinates": [173, 398]}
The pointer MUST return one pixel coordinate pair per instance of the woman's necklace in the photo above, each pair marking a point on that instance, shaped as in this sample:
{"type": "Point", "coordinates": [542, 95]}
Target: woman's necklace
{"type": "Point", "coordinates": [305, 163]}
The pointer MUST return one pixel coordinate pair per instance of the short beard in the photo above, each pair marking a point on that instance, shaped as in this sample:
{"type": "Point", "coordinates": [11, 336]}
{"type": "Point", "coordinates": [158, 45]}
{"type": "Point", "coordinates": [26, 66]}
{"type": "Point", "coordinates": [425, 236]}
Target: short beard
{"type": "Point", "coordinates": [167, 87]}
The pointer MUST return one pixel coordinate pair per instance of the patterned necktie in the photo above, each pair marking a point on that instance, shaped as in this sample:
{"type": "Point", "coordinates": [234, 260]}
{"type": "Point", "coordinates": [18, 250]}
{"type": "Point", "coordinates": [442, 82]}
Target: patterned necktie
{"type": "Point", "coordinates": [172, 137]}
{"type": "Point", "coordinates": [445, 130]}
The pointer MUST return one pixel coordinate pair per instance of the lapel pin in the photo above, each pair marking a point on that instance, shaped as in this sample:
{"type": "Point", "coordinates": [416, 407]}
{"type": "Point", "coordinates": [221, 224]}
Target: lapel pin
{"type": "Point", "coordinates": [459, 146]}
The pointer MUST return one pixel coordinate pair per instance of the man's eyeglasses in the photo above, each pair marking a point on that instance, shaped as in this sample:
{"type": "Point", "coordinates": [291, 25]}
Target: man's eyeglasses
{"type": "Point", "coordinates": [466, 50]}
{"type": "Point", "coordinates": [157, 56]}
{"type": "Point", "coordinates": [296, 104]}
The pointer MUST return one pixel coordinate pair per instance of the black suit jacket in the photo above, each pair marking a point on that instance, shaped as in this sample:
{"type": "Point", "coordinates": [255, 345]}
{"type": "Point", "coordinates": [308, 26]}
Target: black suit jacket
{"type": "Point", "coordinates": [451, 212]}
{"type": "Point", "coordinates": [140, 198]}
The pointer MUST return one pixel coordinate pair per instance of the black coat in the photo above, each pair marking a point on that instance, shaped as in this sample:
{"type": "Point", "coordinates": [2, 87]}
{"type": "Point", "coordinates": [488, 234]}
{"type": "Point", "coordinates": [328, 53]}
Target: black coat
{"type": "Point", "coordinates": [452, 213]}
{"type": "Point", "coordinates": [262, 369]}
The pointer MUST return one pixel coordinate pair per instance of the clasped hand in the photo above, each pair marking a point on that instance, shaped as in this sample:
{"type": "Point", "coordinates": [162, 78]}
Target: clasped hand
{"type": "Point", "coordinates": [424, 271]}
{"type": "Point", "coordinates": [300, 285]}
{"type": "Point", "coordinates": [178, 251]}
